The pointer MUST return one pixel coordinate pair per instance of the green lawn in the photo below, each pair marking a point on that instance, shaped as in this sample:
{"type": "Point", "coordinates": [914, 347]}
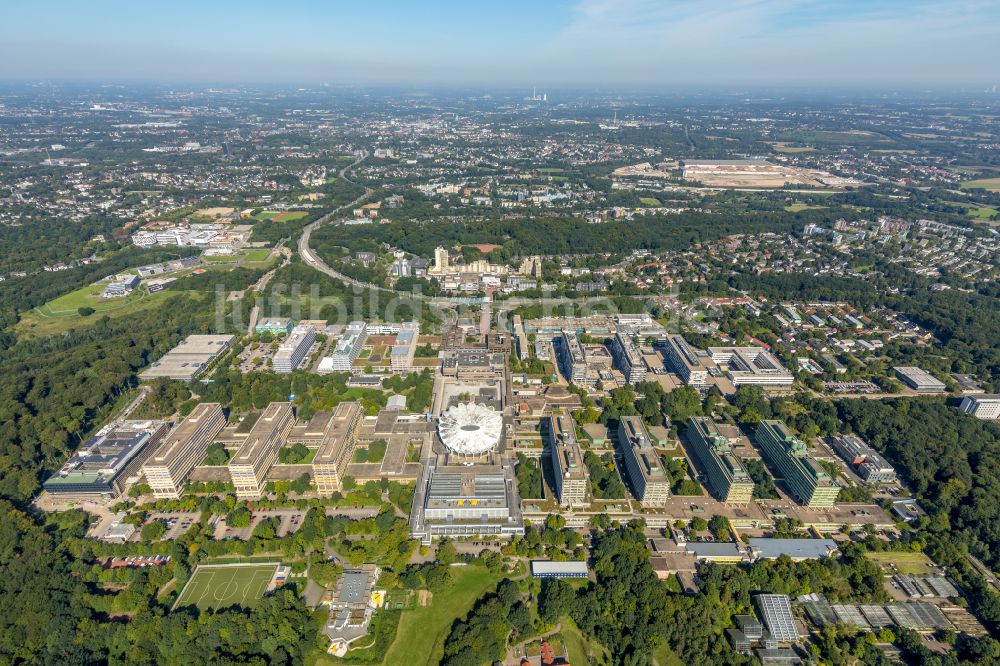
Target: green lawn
{"type": "Point", "coordinates": [798, 206]}
{"type": "Point", "coordinates": [649, 201]}
{"type": "Point", "coordinates": [60, 314]}
{"type": "Point", "coordinates": [667, 657]}
{"type": "Point", "coordinates": [992, 184]}
{"type": "Point", "coordinates": [906, 563]}
{"type": "Point", "coordinates": [422, 631]}
{"type": "Point", "coordinates": [284, 215]}
{"type": "Point", "coordinates": [578, 646]}
{"type": "Point", "coordinates": [222, 586]}
{"type": "Point", "coordinates": [255, 255]}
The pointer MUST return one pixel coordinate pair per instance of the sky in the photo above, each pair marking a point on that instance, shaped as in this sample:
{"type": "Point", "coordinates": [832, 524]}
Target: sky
{"type": "Point", "coordinates": [898, 44]}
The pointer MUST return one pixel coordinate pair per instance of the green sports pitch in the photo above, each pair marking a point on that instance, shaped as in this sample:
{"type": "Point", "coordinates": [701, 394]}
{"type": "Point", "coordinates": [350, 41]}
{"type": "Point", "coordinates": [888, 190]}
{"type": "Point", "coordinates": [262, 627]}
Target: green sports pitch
{"type": "Point", "coordinates": [226, 585]}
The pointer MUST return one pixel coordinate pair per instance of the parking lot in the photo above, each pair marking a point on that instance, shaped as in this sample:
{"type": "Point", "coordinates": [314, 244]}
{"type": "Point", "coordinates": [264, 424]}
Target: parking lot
{"type": "Point", "coordinates": [290, 521]}
{"type": "Point", "coordinates": [176, 522]}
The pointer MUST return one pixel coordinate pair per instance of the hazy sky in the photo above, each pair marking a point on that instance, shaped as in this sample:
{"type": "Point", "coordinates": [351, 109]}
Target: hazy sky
{"type": "Point", "coordinates": [815, 43]}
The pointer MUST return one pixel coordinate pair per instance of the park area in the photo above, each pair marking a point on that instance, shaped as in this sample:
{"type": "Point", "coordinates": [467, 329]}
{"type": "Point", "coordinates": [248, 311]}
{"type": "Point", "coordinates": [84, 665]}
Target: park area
{"type": "Point", "coordinates": [226, 585]}
{"type": "Point", "coordinates": [992, 184]}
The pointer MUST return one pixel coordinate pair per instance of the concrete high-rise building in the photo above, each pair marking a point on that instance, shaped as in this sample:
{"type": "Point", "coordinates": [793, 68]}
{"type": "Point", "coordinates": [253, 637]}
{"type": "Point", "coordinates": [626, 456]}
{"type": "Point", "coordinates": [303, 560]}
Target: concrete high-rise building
{"type": "Point", "coordinates": [628, 358]}
{"type": "Point", "coordinates": [727, 478]}
{"type": "Point", "coordinates": [347, 350]}
{"type": "Point", "coordinates": [291, 352]}
{"type": "Point", "coordinates": [685, 361]}
{"type": "Point", "coordinates": [337, 447]}
{"type": "Point", "coordinates": [259, 451]}
{"type": "Point", "coordinates": [183, 448]}
{"type": "Point", "coordinates": [571, 475]}
{"type": "Point", "coordinates": [574, 357]}
{"type": "Point", "coordinates": [805, 478]}
{"type": "Point", "coordinates": [440, 260]}
{"type": "Point", "coordinates": [649, 480]}
{"type": "Point", "coordinates": [405, 347]}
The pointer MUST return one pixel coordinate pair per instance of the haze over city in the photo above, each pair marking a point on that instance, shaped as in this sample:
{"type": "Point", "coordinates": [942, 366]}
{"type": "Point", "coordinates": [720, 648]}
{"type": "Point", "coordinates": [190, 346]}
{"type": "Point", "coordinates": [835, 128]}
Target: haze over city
{"type": "Point", "coordinates": [892, 44]}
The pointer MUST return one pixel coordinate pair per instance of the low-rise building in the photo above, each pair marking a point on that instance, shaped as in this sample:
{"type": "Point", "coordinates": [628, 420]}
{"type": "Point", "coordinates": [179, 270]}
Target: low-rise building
{"type": "Point", "coordinates": [274, 325]}
{"type": "Point", "coordinates": [868, 464]}
{"type": "Point", "coordinates": [918, 379]}
{"type": "Point", "coordinates": [547, 569]}
{"type": "Point", "coordinates": [751, 365]}
{"type": "Point", "coordinates": [982, 406]}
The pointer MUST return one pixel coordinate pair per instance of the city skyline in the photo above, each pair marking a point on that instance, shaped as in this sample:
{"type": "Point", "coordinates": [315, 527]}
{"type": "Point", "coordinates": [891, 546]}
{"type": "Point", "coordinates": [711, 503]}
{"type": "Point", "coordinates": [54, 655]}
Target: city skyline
{"type": "Point", "coordinates": [582, 43]}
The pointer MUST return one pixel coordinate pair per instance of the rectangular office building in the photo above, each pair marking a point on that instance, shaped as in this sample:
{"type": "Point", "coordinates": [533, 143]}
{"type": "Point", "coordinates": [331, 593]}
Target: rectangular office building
{"type": "Point", "coordinates": [182, 449]}
{"type": "Point", "coordinates": [295, 347]}
{"type": "Point", "coordinates": [337, 447]}
{"type": "Point", "coordinates": [685, 361]}
{"type": "Point", "coordinates": [868, 464]}
{"type": "Point", "coordinates": [103, 466]}
{"type": "Point", "coordinates": [919, 379]}
{"type": "Point", "coordinates": [253, 460]}
{"type": "Point", "coordinates": [649, 480]}
{"type": "Point", "coordinates": [804, 477]}
{"type": "Point", "coordinates": [751, 365]}
{"type": "Point", "coordinates": [628, 358]}
{"type": "Point", "coordinates": [405, 347]}
{"type": "Point", "coordinates": [572, 476]}
{"type": "Point", "coordinates": [347, 350]}
{"type": "Point", "coordinates": [574, 358]}
{"type": "Point", "coordinates": [982, 406]}
{"type": "Point", "coordinates": [727, 478]}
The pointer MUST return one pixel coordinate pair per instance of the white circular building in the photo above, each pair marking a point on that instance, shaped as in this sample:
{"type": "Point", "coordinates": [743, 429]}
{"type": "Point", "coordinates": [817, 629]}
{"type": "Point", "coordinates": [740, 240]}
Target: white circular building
{"type": "Point", "coordinates": [469, 429]}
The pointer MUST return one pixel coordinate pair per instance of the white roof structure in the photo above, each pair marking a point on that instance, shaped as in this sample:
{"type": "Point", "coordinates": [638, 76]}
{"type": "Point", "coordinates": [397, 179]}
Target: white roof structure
{"type": "Point", "coordinates": [470, 429]}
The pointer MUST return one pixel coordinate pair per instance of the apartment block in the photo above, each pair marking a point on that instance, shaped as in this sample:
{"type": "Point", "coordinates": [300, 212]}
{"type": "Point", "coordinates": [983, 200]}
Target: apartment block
{"type": "Point", "coordinates": [183, 448]}
{"type": "Point", "coordinates": [259, 451]}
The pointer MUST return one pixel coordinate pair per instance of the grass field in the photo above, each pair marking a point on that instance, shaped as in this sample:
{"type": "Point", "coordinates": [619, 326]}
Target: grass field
{"type": "Point", "coordinates": [421, 633]}
{"type": "Point", "coordinates": [649, 201]}
{"type": "Point", "coordinates": [992, 184]}
{"type": "Point", "coordinates": [279, 216]}
{"type": "Point", "coordinates": [904, 562]}
{"type": "Point", "coordinates": [782, 147]}
{"type": "Point", "coordinates": [222, 586]}
{"type": "Point", "coordinates": [60, 314]}
{"type": "Point", "coordinates": [578, 646]}
{"type": "Point", "coordinates": [667, 657]}
{"type": "Point", "coordinates": [797, 206]}
{"type": "Point", "coordinates": [254, 255]}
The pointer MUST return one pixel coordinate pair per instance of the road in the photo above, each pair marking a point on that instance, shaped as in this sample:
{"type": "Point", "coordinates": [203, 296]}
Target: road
{"type": "Point", "coordinates": [310, 257]}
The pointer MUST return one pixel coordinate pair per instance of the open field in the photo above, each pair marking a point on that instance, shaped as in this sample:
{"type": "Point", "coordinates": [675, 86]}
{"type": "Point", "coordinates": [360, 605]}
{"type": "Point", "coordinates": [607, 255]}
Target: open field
{"type": "Point", "coordinates": [785, 147]}
{"type": "Point", "coordinates": [421, 633]}
{"type": "Point", "coordinates": [992, 184]}
{"type": "Point", "coordinates": [60, 314]}
{"type": "Point", "coordinates": [828, 137]}
{"type": "Point", "coordinates": [649, 201]}
{"type": "Point", "coordinates": [253, 256]}
{"type": "Point", "coordinates": [667, 657]}
{"type": "Point", "coordinates": [279, 216]}
{"type": "Point", "coordinates": [222, 586]}
{"type": "Point", "coordinates": [904, 563]}
{"type": "Point", "coordinates": [579, 647]}
{"type": "Point", "coordinates": [798, 206]}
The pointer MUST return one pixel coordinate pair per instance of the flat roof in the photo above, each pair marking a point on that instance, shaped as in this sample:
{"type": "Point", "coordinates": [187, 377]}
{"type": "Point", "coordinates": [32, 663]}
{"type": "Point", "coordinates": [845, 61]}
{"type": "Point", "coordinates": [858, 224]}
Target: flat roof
{"type": "Point", "coordinates": [180, 435]}
{"type": "Point", "coordinates": [272, 418]}
{"type": "Point", "coordinates": [549, 567]}
{"type": "Point", "coordinates": [794, 548]}
{"type": "Point", "coordinates": [336, 433]}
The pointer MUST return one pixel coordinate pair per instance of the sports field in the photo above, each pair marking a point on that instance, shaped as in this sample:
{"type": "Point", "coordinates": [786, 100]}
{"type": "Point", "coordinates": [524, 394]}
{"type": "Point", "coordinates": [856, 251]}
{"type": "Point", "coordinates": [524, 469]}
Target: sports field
{"type": "Point", "coordinates": [903, 562]}
{"type": "Point", "coordinates": [225, 585]}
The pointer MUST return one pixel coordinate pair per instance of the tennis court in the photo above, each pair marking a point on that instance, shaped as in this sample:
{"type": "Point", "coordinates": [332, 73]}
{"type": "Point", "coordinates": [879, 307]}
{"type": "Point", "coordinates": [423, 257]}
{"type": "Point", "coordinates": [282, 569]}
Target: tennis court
{"type": "Point", "coordinates": [226, 585]}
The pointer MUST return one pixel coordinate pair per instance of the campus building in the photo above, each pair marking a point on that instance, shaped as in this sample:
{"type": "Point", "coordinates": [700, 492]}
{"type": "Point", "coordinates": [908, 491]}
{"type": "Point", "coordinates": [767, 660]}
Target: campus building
{"type": "Point", "coordinates": [919, 379]}
{"type": "Point", "coordinates": [573, 357]}
{"type": "Point", "coordinates": [185, 361]}
{"type": "Point", "coordinates": [347, 350]}
{"type": "Point", "coordinates": [274, 325]}
{"type": "Point", "coordinates": [982, 406]}
{"type": "Point", "coordinates": [628, 358]}
{"type": "Point", "coordinates": [258, 452]}
{"type": "Point", "coordinates": [182, 449]}
{"type": "Point", "coordinates": [805, 478]}
{"type": "Point", "coordinates": [571, 475]}
{"type": "Point", "coordinates": [405, 347]}
{"type": "Point", "coordinates": [106, 462]}
{"type": "Point", "coordinates": [727, 478]}
{"type": "Point", "coordinates": [295, 347]}
{"type": "Point", "coordinates": [751, 365]}
{"type": "Point", "coordinates": [685, 361]}
{"type": "Point", "coordinates": [649, 480]}
{"type": "Point", "coordinates": [863, 459]}
{"type": "Point", "coordinates": [337, 447]}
